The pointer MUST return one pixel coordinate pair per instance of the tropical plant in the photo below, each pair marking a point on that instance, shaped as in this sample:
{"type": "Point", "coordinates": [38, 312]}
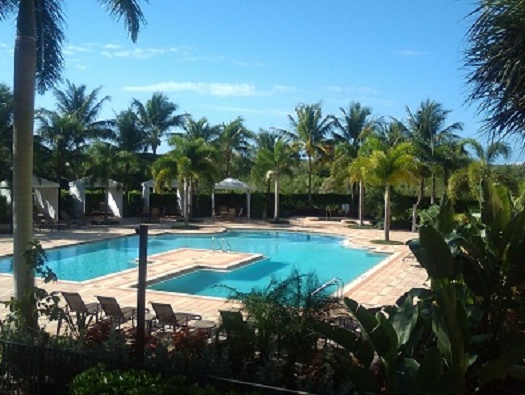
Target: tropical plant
{"type": "Point", "coordinates": [429, 133]}
{"type": "Point", "coordinates": [388, 167]}
{"type": "Point", "coordinates": [105, 162]}
{"type": "Point", "coordinates": [201, 128]}
{"type": "Point", "coordinates": [494, 61]}
{"type": "Point", "coordinates": [232, 142]}
{"type": "Point", "coordinates": [468, 178]}
{"type": "Point", "coordinates": [38, 64]}
{"type": "Point", "coordinates": [129, 135]}
{"type": "Point", "coordinates": [189, 161]}
{"type": "Point", "coordinates": [310, 130]}
{"type": "Point", "coordinates": [276, 163]}
{"type": "Point", "coordinates": [156, 117]}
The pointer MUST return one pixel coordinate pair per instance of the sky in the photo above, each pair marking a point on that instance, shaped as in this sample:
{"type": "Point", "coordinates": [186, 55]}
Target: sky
{"type": "Point", "coordinates": [260, 59]}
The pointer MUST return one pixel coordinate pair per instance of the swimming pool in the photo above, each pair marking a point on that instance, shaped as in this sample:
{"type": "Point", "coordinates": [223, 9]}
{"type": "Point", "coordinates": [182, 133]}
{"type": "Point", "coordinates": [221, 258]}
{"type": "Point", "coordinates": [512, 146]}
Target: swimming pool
{"type": "Point", "coordinates": [325, 255]}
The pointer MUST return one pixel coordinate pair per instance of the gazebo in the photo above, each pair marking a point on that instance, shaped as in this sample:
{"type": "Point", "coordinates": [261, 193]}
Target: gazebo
{"type": "Point", "coordinates": [147, 187]}
{"type": "Point", "coordinates": [232, 184]}
{"type": "Point", "coordinates": [45, 195]}
{"type": "Point", "coordinates": [77, 189]}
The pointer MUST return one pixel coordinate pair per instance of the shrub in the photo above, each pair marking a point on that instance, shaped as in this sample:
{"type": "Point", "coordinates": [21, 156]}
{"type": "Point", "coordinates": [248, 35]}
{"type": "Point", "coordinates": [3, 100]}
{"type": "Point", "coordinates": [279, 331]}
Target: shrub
{"type": "Point", "coordinates": [101, 380]}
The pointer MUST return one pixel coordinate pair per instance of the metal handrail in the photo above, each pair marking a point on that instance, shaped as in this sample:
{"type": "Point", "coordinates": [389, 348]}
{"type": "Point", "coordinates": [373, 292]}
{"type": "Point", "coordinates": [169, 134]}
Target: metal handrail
{"type": "Point", "coordinates": [219, 245]}
{"type": "Point", "coordinates": [334, 281]}
{"type": "Point", "coordinates": [224, 241]}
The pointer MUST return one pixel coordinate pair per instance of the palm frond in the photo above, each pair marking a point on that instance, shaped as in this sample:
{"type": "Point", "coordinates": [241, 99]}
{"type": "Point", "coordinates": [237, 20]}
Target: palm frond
{"type": "Point", "coordinates": [130, 11]}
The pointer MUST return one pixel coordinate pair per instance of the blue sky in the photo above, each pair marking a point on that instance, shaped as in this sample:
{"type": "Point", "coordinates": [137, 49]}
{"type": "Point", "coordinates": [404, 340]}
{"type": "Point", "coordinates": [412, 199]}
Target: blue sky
{"type": "Point", "coordinates": [259, 59]}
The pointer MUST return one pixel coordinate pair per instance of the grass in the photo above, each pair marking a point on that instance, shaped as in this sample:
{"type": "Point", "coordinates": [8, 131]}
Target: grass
{"type": "Point", "coordinates": [357, 226]}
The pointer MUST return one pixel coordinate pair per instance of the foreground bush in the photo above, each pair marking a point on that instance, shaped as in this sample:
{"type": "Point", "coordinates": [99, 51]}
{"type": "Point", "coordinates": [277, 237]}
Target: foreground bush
{"type": "Point", "coordinates": [101, 380]}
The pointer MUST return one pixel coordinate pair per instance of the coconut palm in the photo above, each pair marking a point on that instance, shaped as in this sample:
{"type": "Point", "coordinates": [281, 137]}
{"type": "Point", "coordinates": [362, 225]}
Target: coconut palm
{"type": "Point", "coordinates": [189, 161]}
{"type": "Point", "coordinates": [157, 116]}
{"type": "Point", "coordinates": [354, 125]}
{"type": "Point", "coordinates": [232, 142]}
{"type": "Point", "coordinates": [201, 128]}
{"type": "Point", "coordinates": [388, 167]}
{"type": "Point", "coordinates": [275, 163]}
{"type": "Point", "coordinates": [428, 131]}
{"type": "Point", "coordinates": [310, 130]}
{"type": "Point", "coordinates": [129, 135]}
{"type": "Point", "coordinates": [494, 58]}
{"type": "Point", "coordinates": [38, 64]}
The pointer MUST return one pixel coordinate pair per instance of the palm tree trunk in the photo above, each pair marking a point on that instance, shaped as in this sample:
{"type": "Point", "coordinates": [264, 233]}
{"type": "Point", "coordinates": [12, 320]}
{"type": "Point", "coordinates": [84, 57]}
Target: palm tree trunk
{"type": "Point", "coordinates": [276, 206]}
{"type": "Point", "coordinates": [23, 118]}
{"type": "Point", "coordinates": [309, 180]}
{"type": "Point", "coordinates": [387, 212]}
{"type": "Point", "coordinates": [433, 189]}
{"type": "Point", "coordinates": [106, 202]}
{"type": "Point", "coordinates": [361, 202]}
{"type": "Point", "coordinates": [185, 202]}
{"type": "Point", "coordinates": [418, 202]}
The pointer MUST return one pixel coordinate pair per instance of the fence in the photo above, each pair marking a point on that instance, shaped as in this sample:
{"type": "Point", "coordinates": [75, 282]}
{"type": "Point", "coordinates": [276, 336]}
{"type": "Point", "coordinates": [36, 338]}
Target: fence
{"type": "Point", "coordinates": [37, 370]}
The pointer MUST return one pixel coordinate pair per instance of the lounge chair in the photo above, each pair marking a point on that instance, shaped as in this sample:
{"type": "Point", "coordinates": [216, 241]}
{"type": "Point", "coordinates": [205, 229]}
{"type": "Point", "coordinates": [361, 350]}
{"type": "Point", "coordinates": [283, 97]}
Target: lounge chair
{"type": "Point", "coordinates": [84, 312]}
{"type": "Point", "coordinates": [236, 329]}
{"type": "Point", "coordinates": [167, 317]}
{"type": "Point", "coordinates": [114, 312]}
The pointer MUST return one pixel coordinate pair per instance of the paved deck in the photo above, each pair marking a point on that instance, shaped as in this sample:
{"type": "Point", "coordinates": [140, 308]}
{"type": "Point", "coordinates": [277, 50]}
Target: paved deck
{"type": "Point", "coordinates": [381, 285]}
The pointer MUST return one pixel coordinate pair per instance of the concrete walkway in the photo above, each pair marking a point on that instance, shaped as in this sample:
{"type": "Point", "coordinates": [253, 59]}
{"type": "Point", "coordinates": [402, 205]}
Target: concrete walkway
{"type": "Point", "coordinates": [381, 285]}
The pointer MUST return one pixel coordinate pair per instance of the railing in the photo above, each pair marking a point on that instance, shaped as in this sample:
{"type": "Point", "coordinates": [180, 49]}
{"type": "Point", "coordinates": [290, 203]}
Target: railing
{"type": "Point", "coordinates": [336, 281]}
{"type": "Point", "coordinates": [228, 246]}
{"type": "Point", "coordinates": [216, 244]}
{"type": "Point", "coordinates": [38, 370]}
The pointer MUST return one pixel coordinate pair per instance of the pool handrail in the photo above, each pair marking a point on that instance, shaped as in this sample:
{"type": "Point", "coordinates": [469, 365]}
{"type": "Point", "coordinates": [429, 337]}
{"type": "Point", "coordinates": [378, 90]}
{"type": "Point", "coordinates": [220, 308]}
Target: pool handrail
{"type": "Point", "coordinates": [333, 281]}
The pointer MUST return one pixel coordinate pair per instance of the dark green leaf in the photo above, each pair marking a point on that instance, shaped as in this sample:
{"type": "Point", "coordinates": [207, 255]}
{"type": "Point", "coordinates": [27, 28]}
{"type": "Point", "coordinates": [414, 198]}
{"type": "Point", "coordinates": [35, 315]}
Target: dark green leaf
{"type": "Point", "coordinates": [499, 367]}
{"type": "Point", "coordinates": [433, 253]}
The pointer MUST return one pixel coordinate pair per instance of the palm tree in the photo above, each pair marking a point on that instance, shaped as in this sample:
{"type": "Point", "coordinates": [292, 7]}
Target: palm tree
{"type": "Point", "coordinates": [232, 142]}
{"type": "Point", "coordinates": [105, 162]}
{"type": "Point", "coordinates": [38, 64]}
{"type": "Point", "coordinates": [157, 117]}
{"type": "Point", "coordinates": [428, 132]}
{"type": "Point", "coordinates": [354, 125]}
{"type": "Point", "coordinates": [129, 135]}
{"type": "Point", "coordinates": [389, 167]}
{"type": "Point", "coordinates": [275, 163]}
{"type": "Point", "coordinates": [189, 161]}
{"type": "Point", "coordinates": [67, 130]}
{"type": "Point", "coordinates": [469, 177]}
{"type": "Point", "coordinates": [201, 129]}
{"type": "Point", "coordinates": [494, 59]}
{"type": "Point", "coordinates": [310, 130]}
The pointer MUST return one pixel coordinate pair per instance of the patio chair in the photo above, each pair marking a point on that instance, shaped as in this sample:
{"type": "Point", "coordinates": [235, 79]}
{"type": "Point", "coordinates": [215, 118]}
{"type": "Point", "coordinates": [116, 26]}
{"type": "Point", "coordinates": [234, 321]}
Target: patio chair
{"type": "Point", "coordinates": [85, 312]}
{"type": "Point", "coordinates": [167, 317]}
{"type": "Point", "coordinates": [231, 214]}
{"type": "Point", "coordinates": [112, 310]}
{"type": "Point", "coordinates": [236, 329]}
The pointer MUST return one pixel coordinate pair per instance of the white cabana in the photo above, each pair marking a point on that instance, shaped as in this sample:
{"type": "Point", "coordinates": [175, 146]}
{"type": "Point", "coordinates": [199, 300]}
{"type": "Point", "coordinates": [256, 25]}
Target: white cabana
{"type": "Point", "coordinates": [45, 196]}
{"type": "Point", "coordinates": [148, 187]}
{"type": "Point", "coordinates": [231, 184]}
{"type": "Point", "coordinates": [77, 189]}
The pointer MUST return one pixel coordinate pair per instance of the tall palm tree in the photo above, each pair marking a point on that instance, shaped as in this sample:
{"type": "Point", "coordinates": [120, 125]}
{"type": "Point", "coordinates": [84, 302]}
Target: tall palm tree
{"type": "Point", "coordinates": [389, 167]}
{"type": "Point", "coordinates": [494, 59]}
{"type": "Point", "coordinates": [428, 132]}
{"type": "Point", "coordinates": [157, 116]}
{"type": "Point", "coordinates": [38, 64]}
{"type": "Point", "coordinates": [275, 163]}
{"type": "Point", "coordinates": [200, 128]}
{"type": "Point", "coordinates": [233, 141]}
{"type": "Point", "coordinates": [354, 125]}
{"type": "Point", "coordinates": [310, 129]}
{"type": "Point", "coordinates": [129, 135]}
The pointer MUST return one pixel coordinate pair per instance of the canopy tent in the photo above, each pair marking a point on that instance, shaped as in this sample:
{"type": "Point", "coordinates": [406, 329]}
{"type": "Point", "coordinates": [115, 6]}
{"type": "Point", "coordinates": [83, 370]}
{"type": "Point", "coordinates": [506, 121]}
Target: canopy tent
{"type": "Point", "coordinates": [45, 196]}
{"type": "Point", "coordinates": [77, 189]}
{"type": "Point", "coordinates": [232, 184]}
{"type": "Point", "coordinates": [147, 187]}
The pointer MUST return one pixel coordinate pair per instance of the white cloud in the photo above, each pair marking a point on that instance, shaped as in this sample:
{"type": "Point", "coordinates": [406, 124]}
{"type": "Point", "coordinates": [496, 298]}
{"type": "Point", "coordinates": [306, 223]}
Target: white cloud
{"type": "Point", "coordinates": [201, 88]}
{"type": "Point", "coordinates": [411, 53]}
{"type": "Point", "coordinates": [117, 51]}
{"type": "Point", "coordinates": [73, 49]}
{"type": "Point", "coordinates": [112, 46]}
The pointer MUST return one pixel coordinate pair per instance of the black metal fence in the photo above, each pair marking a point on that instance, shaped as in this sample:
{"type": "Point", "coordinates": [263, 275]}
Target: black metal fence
{"type": "Point", "coordinates": [37, 370]}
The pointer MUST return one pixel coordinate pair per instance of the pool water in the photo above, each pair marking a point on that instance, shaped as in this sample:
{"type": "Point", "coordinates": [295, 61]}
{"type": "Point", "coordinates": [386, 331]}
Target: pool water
{"type": "Point", "coordinates": [324, 255]}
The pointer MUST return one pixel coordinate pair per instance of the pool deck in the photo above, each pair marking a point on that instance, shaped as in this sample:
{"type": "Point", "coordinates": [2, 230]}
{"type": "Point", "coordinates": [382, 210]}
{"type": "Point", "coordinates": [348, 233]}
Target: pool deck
{"type": "Point", "coordinates": [382, 285]}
